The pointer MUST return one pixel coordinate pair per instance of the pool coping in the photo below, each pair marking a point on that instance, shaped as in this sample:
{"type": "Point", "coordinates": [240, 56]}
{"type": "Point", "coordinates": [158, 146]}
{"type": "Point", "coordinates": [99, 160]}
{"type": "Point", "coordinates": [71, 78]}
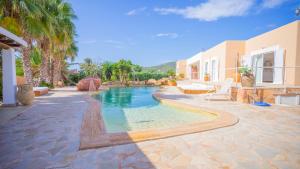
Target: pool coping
{"type": "Point", "coordinates": [94, 135]}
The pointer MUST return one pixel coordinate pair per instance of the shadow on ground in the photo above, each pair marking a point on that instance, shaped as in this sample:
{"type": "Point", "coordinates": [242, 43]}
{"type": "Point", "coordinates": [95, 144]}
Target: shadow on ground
{"type": "Point", "coordinates": [47, 136]}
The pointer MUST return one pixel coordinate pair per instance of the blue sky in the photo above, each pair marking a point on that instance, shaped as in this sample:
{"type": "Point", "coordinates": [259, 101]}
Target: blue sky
{"type": "Point", "coordinates": [151, 32]}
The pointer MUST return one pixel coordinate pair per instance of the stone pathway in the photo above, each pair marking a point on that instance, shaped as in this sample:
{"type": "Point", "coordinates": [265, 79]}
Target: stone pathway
{"type": "Point", "coordinates": [47, 136]}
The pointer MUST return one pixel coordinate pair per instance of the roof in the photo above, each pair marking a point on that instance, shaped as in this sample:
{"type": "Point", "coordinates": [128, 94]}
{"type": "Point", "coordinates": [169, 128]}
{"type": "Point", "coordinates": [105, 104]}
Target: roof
{"type": "Point", "coordinates": [10, 40]}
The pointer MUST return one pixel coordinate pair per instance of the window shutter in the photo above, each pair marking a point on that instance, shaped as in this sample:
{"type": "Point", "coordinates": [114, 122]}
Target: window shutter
{"type": "Point", "coordinates": [278, 66]}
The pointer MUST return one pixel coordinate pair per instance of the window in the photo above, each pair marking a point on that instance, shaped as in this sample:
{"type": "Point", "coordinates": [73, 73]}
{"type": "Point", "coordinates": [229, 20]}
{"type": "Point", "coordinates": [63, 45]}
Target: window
{"type": "Point", "coordinates": [205, 69]}
{"type": "Point", "coordinates": [214, 70]}
{"type": "Point", "coordinates": [263, 67]}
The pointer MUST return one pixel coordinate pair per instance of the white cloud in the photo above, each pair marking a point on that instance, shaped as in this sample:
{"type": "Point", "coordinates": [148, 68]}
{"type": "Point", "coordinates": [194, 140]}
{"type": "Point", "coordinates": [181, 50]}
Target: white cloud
{"type": "Point", "coordinates": [211, 10]}
{"type": "Point", "coordinates": [170, 35]}
{"type": "Point", "coordinates": [88, 41]}
{"type": "Point", "coordinates": [136, 11]}
{"type": "Point", "coordinates": [272, 3]}
{"type": "Point", "coordinates": [115, 42]}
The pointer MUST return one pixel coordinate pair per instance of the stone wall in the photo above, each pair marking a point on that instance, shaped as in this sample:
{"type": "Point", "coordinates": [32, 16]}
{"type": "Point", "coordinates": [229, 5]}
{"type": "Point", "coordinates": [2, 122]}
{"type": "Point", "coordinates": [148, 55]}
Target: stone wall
{"type": "Point", "coordinates": [266, 94]}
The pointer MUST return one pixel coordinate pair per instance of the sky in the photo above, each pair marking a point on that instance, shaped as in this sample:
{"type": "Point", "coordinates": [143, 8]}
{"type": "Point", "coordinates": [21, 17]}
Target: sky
{"type": "Point", "coordinates": [152, 32]}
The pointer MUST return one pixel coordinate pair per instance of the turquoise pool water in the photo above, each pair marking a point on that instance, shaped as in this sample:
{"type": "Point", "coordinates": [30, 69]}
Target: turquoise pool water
{"type": "Point", "coordinates": [134, 108]}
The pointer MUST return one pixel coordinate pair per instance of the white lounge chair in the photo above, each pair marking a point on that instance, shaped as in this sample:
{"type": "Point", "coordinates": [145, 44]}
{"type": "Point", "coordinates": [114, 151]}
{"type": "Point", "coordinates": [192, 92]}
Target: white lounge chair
{"type": "Point", "coordinates": [222, 94]}
{"type": "Point", "coordinates": [196, 88]}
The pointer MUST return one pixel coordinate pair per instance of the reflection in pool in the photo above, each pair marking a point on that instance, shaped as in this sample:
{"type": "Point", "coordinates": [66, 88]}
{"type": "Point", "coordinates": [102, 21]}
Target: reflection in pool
{"type": "Point", "coordinates": [134, 108]}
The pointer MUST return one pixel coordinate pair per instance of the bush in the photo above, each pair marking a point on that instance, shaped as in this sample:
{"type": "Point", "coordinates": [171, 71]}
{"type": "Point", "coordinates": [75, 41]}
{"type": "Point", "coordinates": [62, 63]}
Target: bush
{"type": "Point", "coordinates": [45, 84]}
{"type": "Point", "coordinates": [149, 75]}
{"type": "Point", "coordinates": [76, 77]}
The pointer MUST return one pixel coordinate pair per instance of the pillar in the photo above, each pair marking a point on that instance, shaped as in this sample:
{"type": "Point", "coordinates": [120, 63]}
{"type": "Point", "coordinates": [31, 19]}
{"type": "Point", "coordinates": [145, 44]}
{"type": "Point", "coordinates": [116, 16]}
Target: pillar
{"type": "Point", "coordinates": [9, 89]}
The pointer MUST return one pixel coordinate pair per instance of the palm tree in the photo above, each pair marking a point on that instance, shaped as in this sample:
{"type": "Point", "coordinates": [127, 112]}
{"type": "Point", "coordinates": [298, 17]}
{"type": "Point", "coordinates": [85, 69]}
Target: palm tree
{"type": "Point", "coordinates": [25, 14]}
{"type": "Point", "coordinates": [49, 24]}
{"type": "Point", "coordinates": [107, 70]}
{"type": "Point", "coordinates": [58, 40]}
{"type": "Point", "coordinates": [63, 44]}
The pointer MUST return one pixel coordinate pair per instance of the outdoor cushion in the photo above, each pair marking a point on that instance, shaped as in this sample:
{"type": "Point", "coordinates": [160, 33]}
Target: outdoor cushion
{"type": "Point", "coordinates": [39, 91]}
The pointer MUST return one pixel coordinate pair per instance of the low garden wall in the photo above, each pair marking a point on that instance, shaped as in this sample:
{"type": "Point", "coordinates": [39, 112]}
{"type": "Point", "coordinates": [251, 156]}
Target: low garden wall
{"type": "Point", "coordinates": [265, 94]}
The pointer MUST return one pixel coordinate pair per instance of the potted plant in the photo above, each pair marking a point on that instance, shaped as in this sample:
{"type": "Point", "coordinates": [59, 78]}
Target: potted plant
{"type": "Point", "coordinates": [25, 94]}
{"type": "Point", "coordinates": [172, 82]}
{"type": "Point", "coordinates": [206, 77]}
{"type": "Point", "coordinates": [247, 79]}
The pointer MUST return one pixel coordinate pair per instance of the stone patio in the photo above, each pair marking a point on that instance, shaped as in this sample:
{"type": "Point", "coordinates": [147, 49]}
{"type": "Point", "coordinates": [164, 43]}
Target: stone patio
{"type": "Point", "coordinates": [46, 135]}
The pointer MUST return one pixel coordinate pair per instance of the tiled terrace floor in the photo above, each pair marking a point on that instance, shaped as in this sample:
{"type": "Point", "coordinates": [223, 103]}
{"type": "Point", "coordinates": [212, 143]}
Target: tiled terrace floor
{"type": "Point", "coordinates": [47, 136]}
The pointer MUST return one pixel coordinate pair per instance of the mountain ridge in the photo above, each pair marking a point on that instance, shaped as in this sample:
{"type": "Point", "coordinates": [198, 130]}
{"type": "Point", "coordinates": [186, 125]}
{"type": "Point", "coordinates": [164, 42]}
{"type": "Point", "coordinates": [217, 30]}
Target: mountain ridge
{"type": "Point", "coordinates": [162, 67]}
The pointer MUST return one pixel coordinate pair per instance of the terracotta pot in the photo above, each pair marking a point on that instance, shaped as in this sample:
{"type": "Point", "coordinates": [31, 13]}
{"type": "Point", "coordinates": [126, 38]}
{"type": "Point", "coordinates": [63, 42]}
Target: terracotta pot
{"type": "Point", "coordinates": [247, 81]}
{"type": "Point", "coordinates": [25, 94]}
{"type": "Point", "coordinates": [206, 77]}
{"type": "Point", "coordinates": [172, 83]}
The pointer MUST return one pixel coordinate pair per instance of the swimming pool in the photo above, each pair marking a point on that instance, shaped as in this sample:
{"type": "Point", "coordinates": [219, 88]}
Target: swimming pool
{"type": "Point", "coordinates": [134, 108]}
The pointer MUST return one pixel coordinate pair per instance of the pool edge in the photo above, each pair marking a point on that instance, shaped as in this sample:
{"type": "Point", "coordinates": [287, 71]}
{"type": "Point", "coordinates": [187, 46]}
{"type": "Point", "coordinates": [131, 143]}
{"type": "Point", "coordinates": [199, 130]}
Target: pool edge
{"type": "Point", "coordinates": [94, 135]}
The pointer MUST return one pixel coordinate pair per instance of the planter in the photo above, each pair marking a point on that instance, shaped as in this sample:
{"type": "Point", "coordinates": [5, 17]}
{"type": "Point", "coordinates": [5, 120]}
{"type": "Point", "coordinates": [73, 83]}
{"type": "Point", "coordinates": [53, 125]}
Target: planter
{"type": "Point", "coordinates": [172, 83]}
{"type": "Point", "coordinates": [247, 81]}
{"type": "Point", "coordinates": [25, 94]}
{"type": "Point", "coordinates": [206, 77]}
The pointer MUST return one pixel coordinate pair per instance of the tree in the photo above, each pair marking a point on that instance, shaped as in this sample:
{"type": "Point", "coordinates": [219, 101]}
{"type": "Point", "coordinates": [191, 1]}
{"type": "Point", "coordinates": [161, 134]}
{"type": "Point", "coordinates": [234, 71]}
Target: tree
{"type": "Point", "coordinates": [137, 68]}
{"type": "Point", "coordinates": [171, 73]}
{"type": "Point", "coordinates": [24, 18]}
{"type": "Point", "coordinates": [90, 69]}
{"type": "Point", "coordinates": [47, 23]}
{"type": "Point", "coordinates": [107, 71]}
{"type": "Point", "coordinates": [59, 43]}
{"type": "Point", "coordinates": [124, 68]}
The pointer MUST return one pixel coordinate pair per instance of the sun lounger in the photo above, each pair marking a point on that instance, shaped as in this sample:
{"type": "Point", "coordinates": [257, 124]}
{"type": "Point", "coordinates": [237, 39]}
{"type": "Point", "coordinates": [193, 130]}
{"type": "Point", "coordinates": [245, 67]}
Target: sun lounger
{"type": "Point", "coordinates": [196, 88]}
{"type": "Point", "coordinates": [223, 94]}
{"type": "Point", "coordinates": [39, 91]}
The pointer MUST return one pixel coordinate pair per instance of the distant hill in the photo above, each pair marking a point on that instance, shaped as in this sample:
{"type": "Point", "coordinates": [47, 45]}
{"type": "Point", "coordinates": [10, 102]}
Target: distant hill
{"type": "Point", "coordinates": [162, 67]}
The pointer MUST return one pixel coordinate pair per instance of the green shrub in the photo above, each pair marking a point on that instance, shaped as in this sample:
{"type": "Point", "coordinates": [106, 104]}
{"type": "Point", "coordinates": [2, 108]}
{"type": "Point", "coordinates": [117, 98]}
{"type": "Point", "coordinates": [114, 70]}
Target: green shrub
{"type": "Point", "coordinates": [45, 84]}
{"type": "Point", "coordinates": [245, 71]}
{"type": "Point", "coordinates": [149, 75]}
{"type": "Point", "coordinates": [74, 78]}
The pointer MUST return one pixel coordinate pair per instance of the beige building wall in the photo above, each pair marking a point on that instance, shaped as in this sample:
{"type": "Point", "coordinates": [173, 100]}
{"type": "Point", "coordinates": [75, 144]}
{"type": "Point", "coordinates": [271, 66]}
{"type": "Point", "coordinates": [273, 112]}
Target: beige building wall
{"type": "Point", "coordinates": [287, 38]}
{"type": "Point", "coordinates": [234, 52]}
{"type": "Point", "coordinates": [217, 52]}
{"type": "Point", "coordinates": [297, 78]}
{"type": "Point", "coordinates": [227, 54]}
{"type": "Point", "coordinates": [181, 68]}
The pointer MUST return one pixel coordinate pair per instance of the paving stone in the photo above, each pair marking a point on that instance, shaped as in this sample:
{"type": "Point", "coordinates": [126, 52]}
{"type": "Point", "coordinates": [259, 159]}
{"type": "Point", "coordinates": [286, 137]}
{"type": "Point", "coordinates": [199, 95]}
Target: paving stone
{"type": "Point", "coordinates": [47, 136]}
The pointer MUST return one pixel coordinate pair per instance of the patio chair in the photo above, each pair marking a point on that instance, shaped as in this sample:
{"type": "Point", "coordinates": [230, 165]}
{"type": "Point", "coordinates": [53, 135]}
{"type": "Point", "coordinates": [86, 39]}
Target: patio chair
{"type": "Point", "coordinates": [223, 93]}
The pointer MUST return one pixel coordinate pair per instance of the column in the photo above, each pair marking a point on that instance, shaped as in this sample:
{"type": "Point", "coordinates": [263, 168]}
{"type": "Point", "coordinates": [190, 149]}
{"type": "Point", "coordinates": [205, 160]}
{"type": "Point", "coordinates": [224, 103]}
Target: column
{"type": "Point", "coordinates": [9, 77]}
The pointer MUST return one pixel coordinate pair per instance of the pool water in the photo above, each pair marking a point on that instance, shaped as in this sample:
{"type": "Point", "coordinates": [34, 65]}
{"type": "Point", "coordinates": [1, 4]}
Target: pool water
{"type": "Point", "coordinates": [134, 108]}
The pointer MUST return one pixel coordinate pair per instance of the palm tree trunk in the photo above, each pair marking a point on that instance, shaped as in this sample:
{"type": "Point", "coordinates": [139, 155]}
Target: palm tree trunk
{"type": "Point", "coordinates": [56, 71]}
{"type": "Point", "coordinates": [26, 62]}
{"type": "Point", "coordinates": [44, 69]}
